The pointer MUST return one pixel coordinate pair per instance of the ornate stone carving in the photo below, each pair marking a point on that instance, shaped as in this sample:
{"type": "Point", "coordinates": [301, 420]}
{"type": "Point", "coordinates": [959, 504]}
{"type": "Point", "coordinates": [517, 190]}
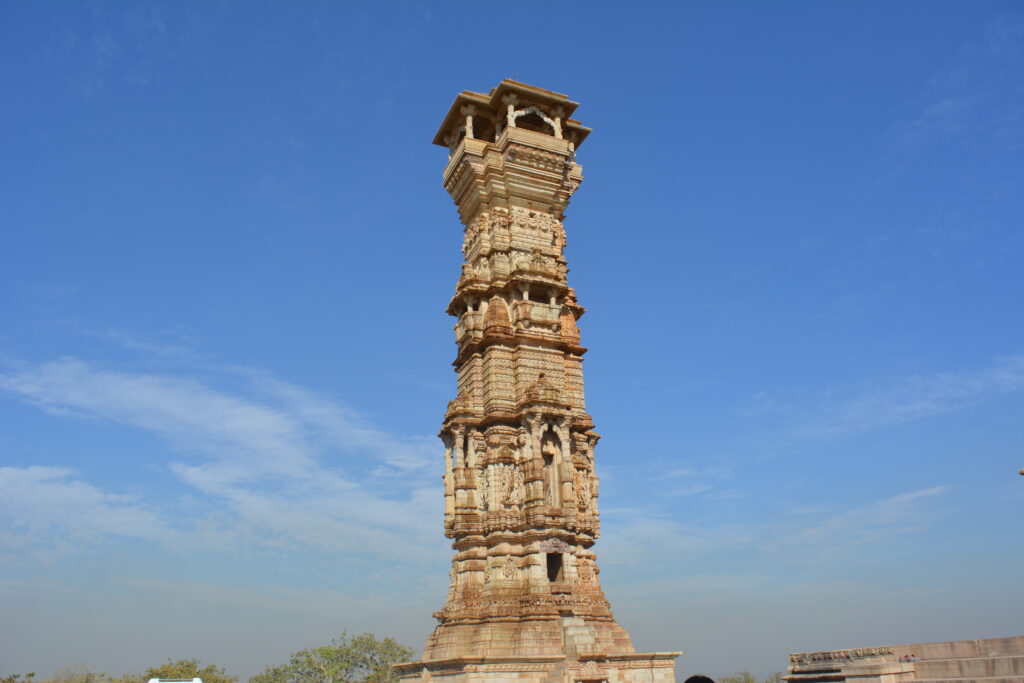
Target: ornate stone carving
{"type": "Point", "coordinates": [512, 485]}
{"type": "Point", "coordinates": [555, 545]}
{"type": "Point", "coordinates": [519, 481]}
{"type": "Point", "coordinates": [582, 486]}
{"type": "Point", "coordinates": [803, 658]}
{"type": "Point", "coordinates": [485, 490]}
{"type": "Point", "coordinates": [585, 570]}
{"type": "Point", "coordinates": [452, 579]}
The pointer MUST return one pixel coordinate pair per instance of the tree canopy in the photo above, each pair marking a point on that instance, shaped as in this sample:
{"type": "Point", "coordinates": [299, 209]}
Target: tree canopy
{"type": "Point", "coordinates": [14, 678]}
{"type": "Point", "coordinates": [747, 677]}
{"type": "Point", "coordinates": [183, 668]}
{"type": "Point", "coordinates": [348, 659]}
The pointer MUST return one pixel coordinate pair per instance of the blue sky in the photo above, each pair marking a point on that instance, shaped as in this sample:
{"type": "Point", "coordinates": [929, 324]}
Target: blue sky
{"type": "Point", "coordinates": [226, 254]}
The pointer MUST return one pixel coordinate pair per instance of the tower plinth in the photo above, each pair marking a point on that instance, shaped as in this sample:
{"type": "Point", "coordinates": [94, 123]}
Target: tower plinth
{"type": "Point", "coordinates": [524, 599]}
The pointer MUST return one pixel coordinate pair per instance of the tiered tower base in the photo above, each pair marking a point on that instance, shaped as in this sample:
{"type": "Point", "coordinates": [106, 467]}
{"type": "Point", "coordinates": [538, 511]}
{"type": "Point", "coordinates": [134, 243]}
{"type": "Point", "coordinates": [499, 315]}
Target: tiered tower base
{"type": "Point", "coordinates": [573, 653]}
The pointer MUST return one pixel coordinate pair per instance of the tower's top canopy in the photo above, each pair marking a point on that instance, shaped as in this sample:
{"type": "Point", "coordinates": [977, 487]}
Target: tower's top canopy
{"type": "Point", "coordinates": [483, 116]}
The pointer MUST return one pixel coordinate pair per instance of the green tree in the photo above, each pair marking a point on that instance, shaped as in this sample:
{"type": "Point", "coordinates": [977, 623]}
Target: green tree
{"type": "Point", "coordinates": [348, 659]}
{"type": "Point", "coordinates": [15, 678]}
{"type": "Point", "coordinates": [80, 674]}
{"type": "Point", "coordinates": [747, 677]}
{"type": "Point", "coordinates": [741, 677]}
{"type": "Point", "coordinates": [183, 668]}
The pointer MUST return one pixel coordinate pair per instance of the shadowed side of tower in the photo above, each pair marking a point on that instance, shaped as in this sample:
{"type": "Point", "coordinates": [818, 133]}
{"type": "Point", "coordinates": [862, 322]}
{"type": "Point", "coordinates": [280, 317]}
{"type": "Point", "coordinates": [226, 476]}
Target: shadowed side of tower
{"type": "Point", "coordinates": [524, 599]}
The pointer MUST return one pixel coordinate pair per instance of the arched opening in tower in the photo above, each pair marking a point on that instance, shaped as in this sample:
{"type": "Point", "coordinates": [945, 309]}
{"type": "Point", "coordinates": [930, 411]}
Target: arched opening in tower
{"type": "Point", "coordinates": [554, 567]}
{"type": "Point", "coordinates": [483, 129]}
{"type": "Point", "coordinates": [533, 122]}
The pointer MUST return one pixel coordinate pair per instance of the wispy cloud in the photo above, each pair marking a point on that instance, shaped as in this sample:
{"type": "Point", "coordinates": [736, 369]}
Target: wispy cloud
{"type": "Point", "coordinates": [807, 537]}
{"type": "Point", "coordinates": [677, 473]}
{"type": "Point", "coordinates": [175, 345]}
{"type": "Point", "coordinates": [847, 410]}
{"type": "Point", "coordinates": [891, 516]}
{"type": "Point", "coordinates": [692, 479]}
{"type": "Point", "coordinates": [629, 533]}
{"type": "Point", "coordinates": [980, 92]}
{"type": "Point", "coordinates": [257, 440]}
{"type": "Point", "coordinates": [37, 501]}
{"type": "Point", "coordinates": [291, 468]}
{"type": "Point", "coordinates": [892, 402]}
{"type": "Point", "coordinates": [285, 467]}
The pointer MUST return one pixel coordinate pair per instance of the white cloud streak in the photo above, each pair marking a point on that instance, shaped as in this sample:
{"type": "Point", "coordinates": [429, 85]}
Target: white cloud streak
{"type": "Point", "coordinates": [286, 468]}
{"type": "Point", "coordinates": [806, 538]}
{"type": "Point", "coordinates": [35, 501]}
{"type": "Point", "coordinates": [289, 467]}
{"type": "Point", "coordinates": [895, 515]}
{"type": "Point", "coordinates": [979, 93]}
{"type": "Point", "coordinates": [911, 398]}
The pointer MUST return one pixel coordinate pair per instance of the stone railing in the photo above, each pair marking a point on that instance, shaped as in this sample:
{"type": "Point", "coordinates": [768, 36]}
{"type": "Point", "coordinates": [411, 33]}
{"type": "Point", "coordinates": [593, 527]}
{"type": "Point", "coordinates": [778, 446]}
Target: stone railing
{"type": "Point", "coordinates": [530, 137]}
{"type": "Point", "coordinates": [532, 314]}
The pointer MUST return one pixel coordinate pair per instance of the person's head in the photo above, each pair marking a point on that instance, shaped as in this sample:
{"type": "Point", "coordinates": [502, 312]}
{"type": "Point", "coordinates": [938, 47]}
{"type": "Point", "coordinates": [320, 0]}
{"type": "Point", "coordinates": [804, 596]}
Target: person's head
{"type": "Point", "coordinates": [699, 678]}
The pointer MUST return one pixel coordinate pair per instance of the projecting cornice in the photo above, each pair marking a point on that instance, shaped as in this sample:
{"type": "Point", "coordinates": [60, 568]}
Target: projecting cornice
{"type": "Point", "coordinates": [482, 116]}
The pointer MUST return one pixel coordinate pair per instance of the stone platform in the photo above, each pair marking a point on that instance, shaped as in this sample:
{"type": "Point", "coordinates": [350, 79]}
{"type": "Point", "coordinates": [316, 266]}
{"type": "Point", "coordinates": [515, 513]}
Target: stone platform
{"type": "Point", "coordinates": [656, 667]}
{"type": "Point", "coordinates": [580, 660]}
{"type": "Point", "coordinates": [991, 660]}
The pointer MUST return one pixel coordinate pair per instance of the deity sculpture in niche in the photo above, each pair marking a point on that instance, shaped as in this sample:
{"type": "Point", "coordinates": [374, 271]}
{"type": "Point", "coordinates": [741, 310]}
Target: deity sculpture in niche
{"type": "Point", "coordinates": [550, 450]}
{"type": "Point", "coordinates": [485, 489]}
{"type": "Point", "coordinates": [512, 485]}
{"type": "Point", "coordinates": [583, 492]}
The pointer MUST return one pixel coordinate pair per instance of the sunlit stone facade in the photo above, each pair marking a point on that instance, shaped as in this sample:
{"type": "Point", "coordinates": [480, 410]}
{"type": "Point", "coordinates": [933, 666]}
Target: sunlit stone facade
{"type": "Point", "coordinates": [524, 601]}
{"type": "Point", "coordinates": [991, 660]}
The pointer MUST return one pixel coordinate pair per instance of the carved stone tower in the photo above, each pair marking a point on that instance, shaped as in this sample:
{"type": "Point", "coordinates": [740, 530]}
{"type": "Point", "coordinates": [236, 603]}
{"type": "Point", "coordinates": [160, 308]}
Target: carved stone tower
{"type": "Point", "coordinates": [519, 484]}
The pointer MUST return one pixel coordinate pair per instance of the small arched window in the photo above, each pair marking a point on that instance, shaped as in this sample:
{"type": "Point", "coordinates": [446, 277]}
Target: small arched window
{"type": "Point", "coordinates": [534, 119]}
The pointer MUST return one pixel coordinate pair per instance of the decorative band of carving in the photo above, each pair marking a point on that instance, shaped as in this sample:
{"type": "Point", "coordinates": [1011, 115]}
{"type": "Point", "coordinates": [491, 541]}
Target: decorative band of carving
{"type": "Point", "coordinates": [801, 658]}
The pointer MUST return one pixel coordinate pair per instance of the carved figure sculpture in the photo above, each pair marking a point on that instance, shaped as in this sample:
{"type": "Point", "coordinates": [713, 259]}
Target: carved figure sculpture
{"type": "Point", "coordinates": [512, 486]}
{"type": "Point", "coordinates": [583, 492]}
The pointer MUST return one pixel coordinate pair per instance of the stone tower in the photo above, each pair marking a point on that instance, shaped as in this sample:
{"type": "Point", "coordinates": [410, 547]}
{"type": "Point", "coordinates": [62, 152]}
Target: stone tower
{"type": "Point", "coordinates": [520, 490]}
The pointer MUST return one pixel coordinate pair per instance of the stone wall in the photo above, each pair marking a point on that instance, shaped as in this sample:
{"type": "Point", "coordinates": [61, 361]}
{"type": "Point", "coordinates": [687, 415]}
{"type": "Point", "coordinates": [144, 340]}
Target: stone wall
{"type": "Point", "coordinates": [993, 660]}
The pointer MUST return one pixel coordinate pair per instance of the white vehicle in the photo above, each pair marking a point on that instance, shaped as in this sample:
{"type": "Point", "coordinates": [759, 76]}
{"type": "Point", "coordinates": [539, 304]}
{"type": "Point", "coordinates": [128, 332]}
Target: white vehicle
{"type": "Point", "coordinates": [175, 680]}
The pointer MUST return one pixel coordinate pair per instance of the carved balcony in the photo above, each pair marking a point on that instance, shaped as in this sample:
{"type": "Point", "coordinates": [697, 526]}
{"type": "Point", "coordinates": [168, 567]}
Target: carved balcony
{"type": "Point", "coordinates": [469, 327]}
{"type": "Point", "coordinates": [537, 317]}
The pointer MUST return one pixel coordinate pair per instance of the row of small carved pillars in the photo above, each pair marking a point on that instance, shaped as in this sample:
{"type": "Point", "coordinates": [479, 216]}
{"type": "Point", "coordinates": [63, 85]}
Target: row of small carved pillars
{"type": "Point", "coordinates": [556, 567]}
{"type": "Point", "coordinates": [557, 486]}
{"type": "Point", "coordinates": [511, 117]}
{"type": "Point", "coordinates": [460, 444]}
{"type": "Point", "coordinates": [519, 295]}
